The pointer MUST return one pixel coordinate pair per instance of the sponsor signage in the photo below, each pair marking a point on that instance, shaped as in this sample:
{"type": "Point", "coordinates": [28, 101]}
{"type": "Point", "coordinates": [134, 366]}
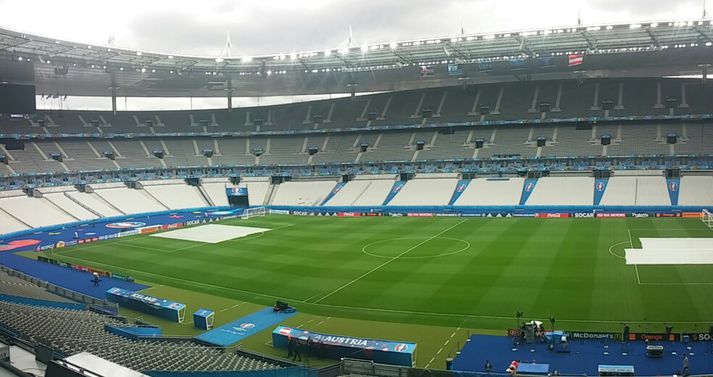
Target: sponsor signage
{"type": "Point", "coordinates": [148, 304]}
{"type": "Point", "coordinates": [419, 214]}
{"type": "Point", "coordinates": [655, 337]}
{"type": "Point", "coordinates": [692, 215]}
{"type": "Point", "coordinates": [640, 215]}
{"type": "Point", "coordinates": [583, 215]}
{"type": "Point", "coordinates": [611, 215]}
{"type": "Point", "coordinates": [668, 214]}
{"type": "Point", "coordinates": [150, 229]}
{"type": "Point", "coordinates": [553, 215]}
{"type": "Point", "coordinates": [698, 337]}
{"type": "Point", "coordinates": [594, 335]}
{"type": "Point", "coordinates": [46, 247]}
{"type": "Point", "coordinates": [337, 346]}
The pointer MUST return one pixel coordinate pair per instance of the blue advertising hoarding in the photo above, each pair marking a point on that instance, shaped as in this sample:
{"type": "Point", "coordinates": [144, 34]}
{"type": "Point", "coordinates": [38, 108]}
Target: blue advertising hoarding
{"type": "Point", "coordinates": [203, 319]}
{"type": "Point", "coordinates": [159, 307]}
{"type": "Point", "coordinates": [338, 346]}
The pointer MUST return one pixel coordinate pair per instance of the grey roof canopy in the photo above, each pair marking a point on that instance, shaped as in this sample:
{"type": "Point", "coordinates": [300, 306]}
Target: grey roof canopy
{"type": "Point", "coordinates": [55, 66]}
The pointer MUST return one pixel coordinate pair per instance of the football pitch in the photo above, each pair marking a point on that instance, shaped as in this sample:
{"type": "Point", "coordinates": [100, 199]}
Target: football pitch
{"type": "Point", "coordinates": [446, 271]}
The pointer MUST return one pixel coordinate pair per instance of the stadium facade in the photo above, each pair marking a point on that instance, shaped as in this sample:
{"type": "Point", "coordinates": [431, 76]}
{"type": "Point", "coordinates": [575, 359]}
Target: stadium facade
{"type": "Point", "coordinates": [584, 121]}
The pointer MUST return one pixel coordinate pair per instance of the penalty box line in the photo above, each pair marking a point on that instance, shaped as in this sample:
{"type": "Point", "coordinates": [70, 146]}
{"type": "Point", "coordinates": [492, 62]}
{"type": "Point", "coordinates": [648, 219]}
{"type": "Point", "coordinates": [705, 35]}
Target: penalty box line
{"type": "Point", "coordinates": [636, 266]}
{"type": "Point", "coordinates": [669, 284]}
{"type": "Point", "coordinates": [384, 264]}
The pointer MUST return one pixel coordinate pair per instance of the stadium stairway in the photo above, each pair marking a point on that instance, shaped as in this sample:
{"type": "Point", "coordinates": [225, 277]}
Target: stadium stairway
{"type": "Point", "coordinates": [71, 331]}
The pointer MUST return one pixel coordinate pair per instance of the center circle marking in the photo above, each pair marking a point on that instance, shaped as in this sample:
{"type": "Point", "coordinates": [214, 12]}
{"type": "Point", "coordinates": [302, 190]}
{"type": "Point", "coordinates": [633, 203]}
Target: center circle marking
{"type": "Point", "coordinates": [365, 248]}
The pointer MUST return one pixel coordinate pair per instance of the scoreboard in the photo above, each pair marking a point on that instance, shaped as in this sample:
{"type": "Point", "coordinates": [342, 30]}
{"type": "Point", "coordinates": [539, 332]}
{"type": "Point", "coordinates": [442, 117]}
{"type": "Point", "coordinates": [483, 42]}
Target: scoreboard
{"type": "Point", "coordinates": [237, 196]}
{"type": "Point", "coordinates": [17, 99]}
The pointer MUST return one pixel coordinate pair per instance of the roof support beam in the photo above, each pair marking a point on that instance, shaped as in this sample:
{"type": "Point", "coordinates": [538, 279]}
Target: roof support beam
{"type": "Point", "coordinates": [458, 51]}
{"type": "Point", "coordinates": [404, 59]}
{"type": "Point", "coordinates": [591, 41]}
{"type": "Point", "coordinates": [703, 34]}
{"type": "Point", "coordinates": [523, 46]}
{"type": "Point", "coordinates": [654, 39]}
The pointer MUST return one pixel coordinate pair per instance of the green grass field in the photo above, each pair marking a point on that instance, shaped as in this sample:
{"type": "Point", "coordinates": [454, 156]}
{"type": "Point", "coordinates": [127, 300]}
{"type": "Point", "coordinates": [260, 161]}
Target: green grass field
{"type": "Point", "coordinates": [423, 278]}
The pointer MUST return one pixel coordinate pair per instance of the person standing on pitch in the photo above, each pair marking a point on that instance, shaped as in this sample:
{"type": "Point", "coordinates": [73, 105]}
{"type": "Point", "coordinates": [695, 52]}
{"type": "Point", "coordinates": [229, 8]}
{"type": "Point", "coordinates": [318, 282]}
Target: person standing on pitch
{"type": "Point", "coordinates": [290, 347]}
{"type": "Point", "coordinates": [298, 355]}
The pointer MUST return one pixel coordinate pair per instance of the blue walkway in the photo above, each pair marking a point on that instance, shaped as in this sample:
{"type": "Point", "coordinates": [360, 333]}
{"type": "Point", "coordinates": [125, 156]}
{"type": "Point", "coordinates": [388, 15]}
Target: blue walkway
{"type": "Point", "coordinates": [584, 356]}
{"type": "Point", "coordinates": [233, 332]}
{"type": "Point", "coordinates": [78, 281]}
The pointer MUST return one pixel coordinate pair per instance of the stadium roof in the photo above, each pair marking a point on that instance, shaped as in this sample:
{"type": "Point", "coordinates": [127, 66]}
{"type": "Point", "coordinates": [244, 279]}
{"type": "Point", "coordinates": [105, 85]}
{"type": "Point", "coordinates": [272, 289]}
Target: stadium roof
{"type": "Point", "coordinates": [70, 68]}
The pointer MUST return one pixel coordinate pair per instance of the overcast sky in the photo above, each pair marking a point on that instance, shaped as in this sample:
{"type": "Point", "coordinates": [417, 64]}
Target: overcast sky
{"type": "Point", "coordinates": [285, 26]}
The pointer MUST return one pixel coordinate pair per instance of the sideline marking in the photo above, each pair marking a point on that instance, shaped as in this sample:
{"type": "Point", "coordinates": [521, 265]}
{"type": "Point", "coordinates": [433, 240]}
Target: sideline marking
{"type": "Point", "coordinates": [443, 347]}
{"type": "Point", "coordinates": [636, 267]}
{"type": "Point", "coordinates": [388, 261]}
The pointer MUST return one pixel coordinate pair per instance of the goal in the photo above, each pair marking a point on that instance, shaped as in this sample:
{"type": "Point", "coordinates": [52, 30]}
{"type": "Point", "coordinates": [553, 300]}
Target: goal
{"type": "Point", "coordinates": [707, 218]}
{"type": "Point", "coordinates": [252, 212]}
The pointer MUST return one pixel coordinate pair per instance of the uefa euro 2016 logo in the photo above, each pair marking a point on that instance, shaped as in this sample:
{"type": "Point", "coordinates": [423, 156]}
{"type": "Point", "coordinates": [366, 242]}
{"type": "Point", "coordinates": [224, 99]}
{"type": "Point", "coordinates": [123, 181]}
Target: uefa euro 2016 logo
{"type": "Point", "coordinates": [245, 326]}
{"type": "Point", "coordinates": [125, 225]}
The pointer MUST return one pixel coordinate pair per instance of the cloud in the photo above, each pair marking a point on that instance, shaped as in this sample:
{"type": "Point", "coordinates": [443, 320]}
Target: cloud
{"type": "Point", "coordinates": [259, 27]}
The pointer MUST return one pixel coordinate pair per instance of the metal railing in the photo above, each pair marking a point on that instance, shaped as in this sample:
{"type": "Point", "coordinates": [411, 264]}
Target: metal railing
{"type": "Point", "coordinates": [370, 368]}
{"type": "Point", "coordinates": [94, 303]}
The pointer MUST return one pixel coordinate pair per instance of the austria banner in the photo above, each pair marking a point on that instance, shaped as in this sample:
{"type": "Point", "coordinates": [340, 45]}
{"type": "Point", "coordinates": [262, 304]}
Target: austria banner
{"type": "Point", "coordinates": [575, 60]}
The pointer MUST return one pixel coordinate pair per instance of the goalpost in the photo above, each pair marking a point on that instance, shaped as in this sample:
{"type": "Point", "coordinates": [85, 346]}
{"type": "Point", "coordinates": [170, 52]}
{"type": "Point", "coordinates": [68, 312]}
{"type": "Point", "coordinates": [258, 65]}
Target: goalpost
{"type": "Point", "coordinates": [253, 212]}
{"type": "Point", "coordinates": [707, 218]}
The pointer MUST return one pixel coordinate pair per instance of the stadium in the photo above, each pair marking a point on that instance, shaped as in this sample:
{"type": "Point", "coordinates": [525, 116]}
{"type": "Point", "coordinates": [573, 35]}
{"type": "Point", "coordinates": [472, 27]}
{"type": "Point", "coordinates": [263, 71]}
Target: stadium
{"type": "Point", "coordinates": [532, 202]}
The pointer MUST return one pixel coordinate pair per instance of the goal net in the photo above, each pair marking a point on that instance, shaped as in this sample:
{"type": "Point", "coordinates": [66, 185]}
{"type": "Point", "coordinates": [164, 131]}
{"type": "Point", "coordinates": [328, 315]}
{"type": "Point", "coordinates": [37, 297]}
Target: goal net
{"type": "Point", "coordinates": [252, 212]}
{"type": "Point", "coordinates": [707, 218]}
